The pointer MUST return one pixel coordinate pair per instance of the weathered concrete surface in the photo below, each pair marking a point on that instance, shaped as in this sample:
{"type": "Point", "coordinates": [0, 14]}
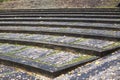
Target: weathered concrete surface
{"type": "Point", "coordinates": [20, 4]}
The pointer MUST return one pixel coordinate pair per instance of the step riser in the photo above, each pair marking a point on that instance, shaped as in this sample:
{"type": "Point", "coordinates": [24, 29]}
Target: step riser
{"type": "Point", "coordinates": [64, 20]}
{"type": "Point", "coordinates": [61, 24]}
{"type": "Point", "coordinates": [63, 16]}
{"type": "Point", "coordinates": [68, 13]}
{"type": "Point", "coordinates": [66, 9]}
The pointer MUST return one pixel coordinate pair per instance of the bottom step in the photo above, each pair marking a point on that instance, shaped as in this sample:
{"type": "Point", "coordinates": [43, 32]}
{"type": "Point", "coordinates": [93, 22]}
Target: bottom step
{"type": "Point", "coordinates": [49, 61]}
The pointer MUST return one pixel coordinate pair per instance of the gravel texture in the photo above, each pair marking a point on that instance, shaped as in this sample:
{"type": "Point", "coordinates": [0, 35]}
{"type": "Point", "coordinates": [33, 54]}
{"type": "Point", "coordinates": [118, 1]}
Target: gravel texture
{"type": "Point", "coordinates": [11, 73]}
{"type": "Point", "coordinates": [37, 4]}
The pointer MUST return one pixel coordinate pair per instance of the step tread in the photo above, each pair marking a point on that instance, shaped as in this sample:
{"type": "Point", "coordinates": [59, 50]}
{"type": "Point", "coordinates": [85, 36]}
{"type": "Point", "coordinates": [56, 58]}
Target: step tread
{"type": "Point", "coordinates": [61, 19]}
{"type": "Point", "coordinates": [74, 42]}
{"type": "Point", "coordinates": [79, 24]}
{"type": "Point", "coordinates": [43, 58]}
{"type": "Point", "coordinates": [72, 31]}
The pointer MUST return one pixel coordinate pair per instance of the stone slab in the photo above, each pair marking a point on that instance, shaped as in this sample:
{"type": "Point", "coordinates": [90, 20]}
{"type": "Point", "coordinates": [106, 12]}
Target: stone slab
{"type": "Point", "coordinates": [96, 45]}
{"type": "Point", "coordinates": [43, 59]}
{"type": "Point", "coordinates": [61, 15]}
{"type": "Point", "coordinates": [57, 12]}
{"type": "Point", "coordinates": [92, 20]}
{"type": "Point", "coordinates": [105, 68]}
{"type": "Point", "coordinates": [114, 34]}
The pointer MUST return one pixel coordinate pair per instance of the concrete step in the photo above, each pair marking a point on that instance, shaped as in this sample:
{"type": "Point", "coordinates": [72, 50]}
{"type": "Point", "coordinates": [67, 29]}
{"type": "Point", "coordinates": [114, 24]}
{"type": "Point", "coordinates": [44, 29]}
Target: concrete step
{"type": "Point", "coordinates": [58, 19]}
{"type": "Point", "coordinates": [90, 33]}
{"type": "Point", "coordinates": [64, 10]}
{"type": "Point", "coordinates": [61, 24]}
{"type": "Point", "coordinates": [95, 13]}
{"type": "Point", "coordinates": [93, 33]}
{"type": "Point", "coordinates": [51, 62]}
{"type": "Point", "coordinates": [62, 15]}
{"type": "Point", "coordinates": [96, 46]}
{"type": "Point", "coordinates": [55, 41]}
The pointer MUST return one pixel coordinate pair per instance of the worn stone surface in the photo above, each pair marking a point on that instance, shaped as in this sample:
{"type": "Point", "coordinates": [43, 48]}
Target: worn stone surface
{"type": "Point", "coordinates": [7, 48]}
{"type": "Point", "coordinates": [95, 43]}
{"type": "Point", "coordinates": [106, 68]}
{"type": "Point", "coordinates": [60, 58]}
{"type": "Point", "coordinates": [44, 58]}
{"type": "Point", "coordinates": [57, 58]}
{"type": "Point", "coordinates": [58, 3]}
{"type": "Point", "coordinates": [94, 32]}
{"type": "Point", "coordinates": [76, 41]}
{"type": "Point", "coordinates": [34, 53]}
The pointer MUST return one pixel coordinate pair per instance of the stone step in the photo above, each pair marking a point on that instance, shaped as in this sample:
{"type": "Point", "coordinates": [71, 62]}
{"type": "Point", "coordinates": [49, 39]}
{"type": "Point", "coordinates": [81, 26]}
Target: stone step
{"type": "Point", "coordinates": [52, 62]}
{"type": "Point", "coordinates": [90, 33]}
{"type": "Point", "coordinates": [62, 15]}
{"type": "Point", "coordinates": [105, 68]}
{"type": "Point", "coordinates": [95, 13]}
{"type": "Point", "coordinates": [58, 19]}
{"type": "Point", "coordinates": [95, 46]}
{"type": "Point", "coordinates": [60, 24]}
{"type": "Point", "coordinates": [64, 10]}
{"type": "Point", "coordinates": [55, 41]}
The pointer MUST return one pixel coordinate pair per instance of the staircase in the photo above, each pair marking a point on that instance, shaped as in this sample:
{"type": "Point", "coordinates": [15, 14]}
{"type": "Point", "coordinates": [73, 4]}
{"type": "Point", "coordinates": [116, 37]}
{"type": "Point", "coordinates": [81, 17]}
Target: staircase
{"type": "Point", "coordinates": [55, 41]}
